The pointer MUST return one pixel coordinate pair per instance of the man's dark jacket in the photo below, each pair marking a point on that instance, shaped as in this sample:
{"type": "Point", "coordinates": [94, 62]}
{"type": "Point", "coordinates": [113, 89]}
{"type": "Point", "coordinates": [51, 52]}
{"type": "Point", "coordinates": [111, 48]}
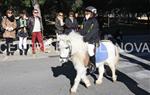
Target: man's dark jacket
{"type": "Point", "coordinates": [69, 25]}
{"type": "Point", "coordinates": [31, 23]}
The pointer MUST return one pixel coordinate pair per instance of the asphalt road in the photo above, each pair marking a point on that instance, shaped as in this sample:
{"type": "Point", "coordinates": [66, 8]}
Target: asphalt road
{"type": "Point", "coordinates": [44, 75]}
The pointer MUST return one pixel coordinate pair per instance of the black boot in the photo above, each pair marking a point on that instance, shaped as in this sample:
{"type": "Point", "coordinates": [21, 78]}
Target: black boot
{"type": "Point", "coordinates": [7, 53]}
{"type": "Point", "coordinates": [92, 66]}
{"type": "Point", "coordinates": [7, 50]}
{"type": "Point", "coordinates": [21, 51]}
{"type": "Point", "coordinates": [25, 51]}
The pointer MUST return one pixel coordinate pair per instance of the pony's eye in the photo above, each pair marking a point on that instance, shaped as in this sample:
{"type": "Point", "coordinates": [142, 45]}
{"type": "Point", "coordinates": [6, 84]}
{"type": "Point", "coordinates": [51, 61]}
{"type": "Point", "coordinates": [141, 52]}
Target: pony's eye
{"type": "Point", "coordinates": [67, 48]}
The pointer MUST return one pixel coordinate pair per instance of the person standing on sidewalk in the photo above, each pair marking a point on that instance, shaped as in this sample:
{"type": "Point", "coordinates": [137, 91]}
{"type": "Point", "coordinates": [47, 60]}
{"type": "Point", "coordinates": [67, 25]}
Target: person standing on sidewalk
{"type": "Point", "coordinates": [9, 25]}
{"type": "Point", "coordinates": [71, 23]}
{"type": "Point", "coordinates": [59, 25]}
{"type": "Point", "coordinates": [22, 32]}
{"type": "Point", "coordinates": [35, 26]}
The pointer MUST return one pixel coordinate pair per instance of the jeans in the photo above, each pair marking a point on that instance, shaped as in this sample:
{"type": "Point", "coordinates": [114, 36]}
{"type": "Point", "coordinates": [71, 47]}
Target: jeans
{"type": "Point", "coordinates": [22, 43]}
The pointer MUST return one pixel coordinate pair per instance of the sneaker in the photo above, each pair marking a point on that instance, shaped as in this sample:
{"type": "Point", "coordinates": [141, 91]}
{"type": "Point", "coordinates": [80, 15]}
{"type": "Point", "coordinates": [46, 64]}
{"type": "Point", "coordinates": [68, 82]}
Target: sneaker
{"type": "Point", "coordinates": [33, 52]}
{"type": "Point", "coordinates": [42, 50]}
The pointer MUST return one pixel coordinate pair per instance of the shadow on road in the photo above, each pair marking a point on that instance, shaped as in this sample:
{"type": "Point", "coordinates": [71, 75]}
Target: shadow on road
{"type": "Point", "coordinates": [131, 84]}
{"type": "Point", "coordinates": [68, 70]}
{"type": "Point", "coordinates": [65, 69]}
{"type": "Point", "coordinates": [145, 66]}
{"type": "Point", "coordinates": [145, 56]}
{"type": "Point", "coordinates": [123, 78]}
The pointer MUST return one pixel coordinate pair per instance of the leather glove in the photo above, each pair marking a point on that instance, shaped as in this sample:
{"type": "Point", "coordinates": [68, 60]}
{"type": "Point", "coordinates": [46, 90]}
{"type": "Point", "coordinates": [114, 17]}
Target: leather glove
{"type": "Point", "coordinates": [85, 39]}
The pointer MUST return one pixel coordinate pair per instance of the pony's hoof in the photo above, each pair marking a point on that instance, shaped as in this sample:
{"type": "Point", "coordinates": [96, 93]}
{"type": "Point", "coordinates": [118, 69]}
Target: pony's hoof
{"type": "Point", "coordinates": [72, 90]}
{"type": "Point", "coordinates": [98, 82]}
{"type": "Point", "coordinates": [115, 79]}
{"type": "Point", "coordinates": [88, 85]}
{"type": "Point", "coordinates": [72, 93]}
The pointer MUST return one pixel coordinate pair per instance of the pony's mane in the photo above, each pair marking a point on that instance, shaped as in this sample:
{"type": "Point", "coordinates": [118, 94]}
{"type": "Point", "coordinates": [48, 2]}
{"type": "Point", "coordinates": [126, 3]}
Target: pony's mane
{"type": "Point", "coordinates": [78, 45]}
{"type": "Point", "coordinates": [77, 42]}
{"type": "Point", "coordinates": [75, 36]}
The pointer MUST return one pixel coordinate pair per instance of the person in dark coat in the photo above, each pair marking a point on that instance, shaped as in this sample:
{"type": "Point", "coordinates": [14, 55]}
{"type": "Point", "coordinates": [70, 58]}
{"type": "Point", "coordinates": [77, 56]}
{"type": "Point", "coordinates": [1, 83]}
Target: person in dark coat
{"type": "Point", "coordinates": [71, 23]}
{"type": "Point", "coordinates": [90, 31]}
{"type": "Point", "coordinates": [59, 25]}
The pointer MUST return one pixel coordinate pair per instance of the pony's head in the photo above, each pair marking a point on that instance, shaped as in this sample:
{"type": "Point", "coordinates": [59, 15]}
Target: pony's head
{"type": "Point", "coordinates": [70, 45]}
{"type": "Point", "coordinates": [64, 48]}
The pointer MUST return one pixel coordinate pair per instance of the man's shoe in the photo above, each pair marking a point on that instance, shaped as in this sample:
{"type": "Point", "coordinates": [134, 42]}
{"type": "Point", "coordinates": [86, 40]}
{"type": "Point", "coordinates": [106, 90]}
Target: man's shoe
{"type": "Point", "coordinates": [33, 52]}
{"type": "Point", "coordinates": [21, 52]}
{"type": "Point", "coordinates": [41, 50]}
{"type": "Point", "coordinates": [8, 54]}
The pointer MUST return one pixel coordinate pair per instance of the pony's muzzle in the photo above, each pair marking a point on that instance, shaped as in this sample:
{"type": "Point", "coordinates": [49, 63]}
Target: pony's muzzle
{"type": "Point", "coordinates": [63, 60]}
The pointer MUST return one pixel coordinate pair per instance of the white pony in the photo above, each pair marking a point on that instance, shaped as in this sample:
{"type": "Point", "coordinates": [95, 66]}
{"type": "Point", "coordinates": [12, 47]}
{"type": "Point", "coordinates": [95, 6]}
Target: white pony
{"type": "Point", "coordinates": [72, 47]}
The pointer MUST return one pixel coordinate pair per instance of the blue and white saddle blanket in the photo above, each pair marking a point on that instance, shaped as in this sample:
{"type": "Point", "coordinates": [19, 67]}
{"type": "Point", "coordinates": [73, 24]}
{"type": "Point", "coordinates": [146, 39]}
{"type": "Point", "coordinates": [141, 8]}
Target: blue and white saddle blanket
{"type": "Point", "coordinates": [101, 53]}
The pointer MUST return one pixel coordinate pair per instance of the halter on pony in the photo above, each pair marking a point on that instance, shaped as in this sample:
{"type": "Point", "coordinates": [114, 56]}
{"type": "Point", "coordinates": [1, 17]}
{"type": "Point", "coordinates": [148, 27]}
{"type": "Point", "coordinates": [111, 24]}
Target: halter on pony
{"type": "Point", "coordinates": [68, 46]}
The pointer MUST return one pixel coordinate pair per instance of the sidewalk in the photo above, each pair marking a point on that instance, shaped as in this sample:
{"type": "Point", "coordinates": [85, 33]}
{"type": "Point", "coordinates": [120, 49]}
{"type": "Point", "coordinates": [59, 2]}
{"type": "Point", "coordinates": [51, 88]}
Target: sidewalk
{"type": "Point", "coordinates": [129, 67]}
{"type": "Point", "coordinates": [49, 51]}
